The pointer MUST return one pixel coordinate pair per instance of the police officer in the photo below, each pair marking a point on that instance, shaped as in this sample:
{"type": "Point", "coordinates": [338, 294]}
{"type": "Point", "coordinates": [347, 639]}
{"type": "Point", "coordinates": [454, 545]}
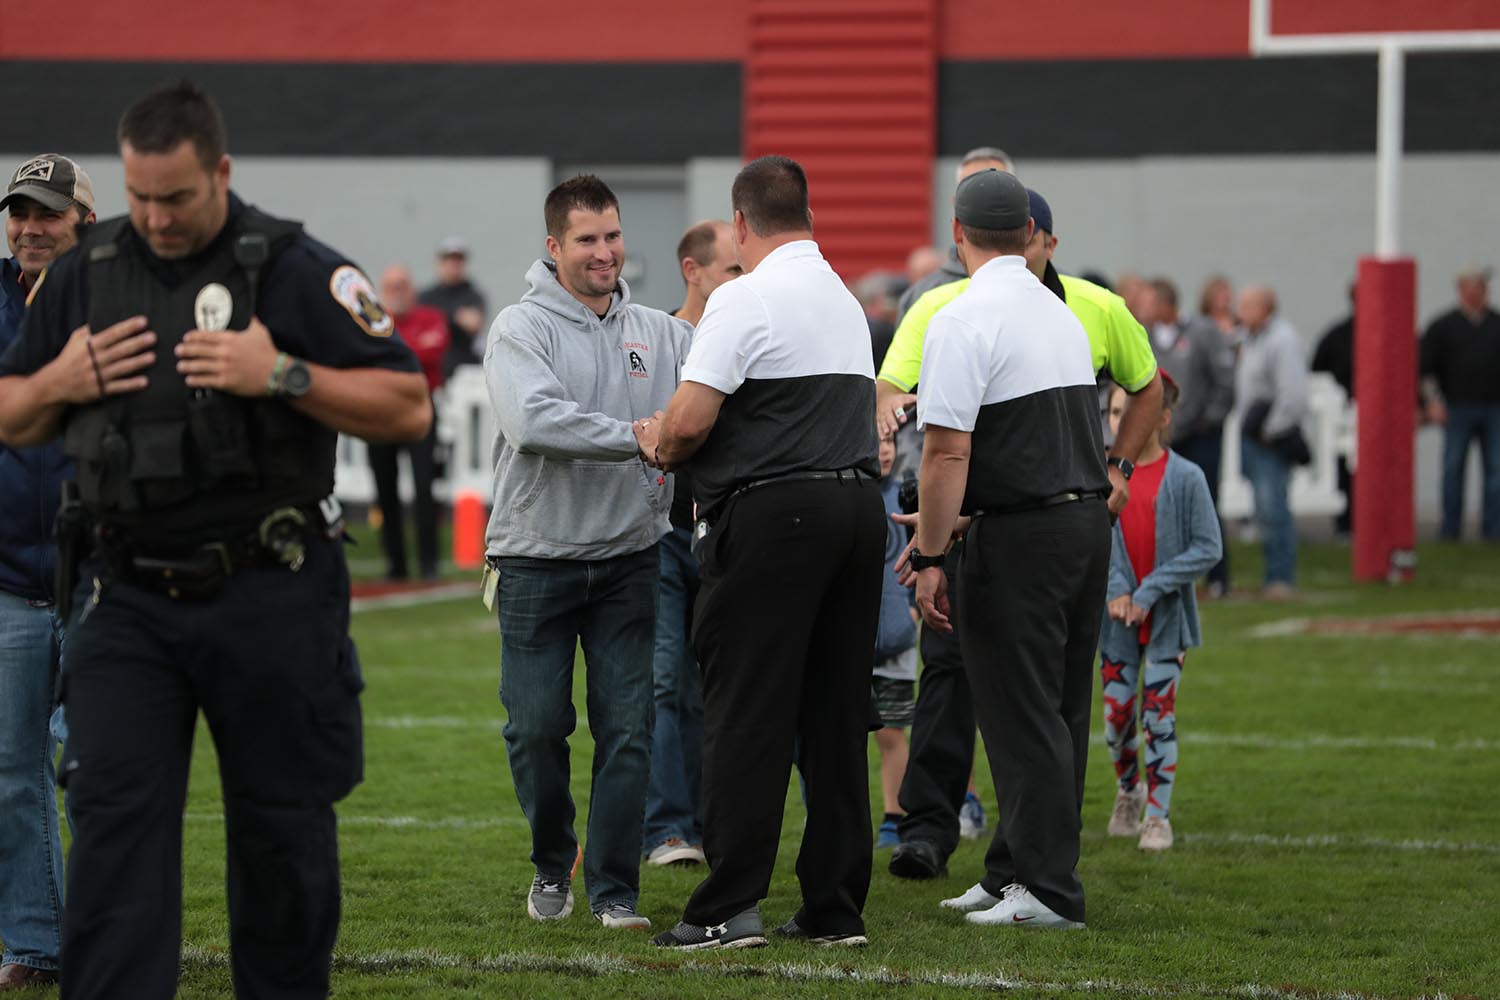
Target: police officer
{"type": "Point", "coordinates": [198, 358]}
{"type": "Point", "coordinates": [1013, 441]}
{"type": "Point", "coordinates": [785, 467]}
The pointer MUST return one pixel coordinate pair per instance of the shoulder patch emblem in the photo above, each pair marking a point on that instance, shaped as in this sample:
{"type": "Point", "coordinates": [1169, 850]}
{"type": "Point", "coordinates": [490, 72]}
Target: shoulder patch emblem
{"type": "Point", "coordinates": [352, 290]}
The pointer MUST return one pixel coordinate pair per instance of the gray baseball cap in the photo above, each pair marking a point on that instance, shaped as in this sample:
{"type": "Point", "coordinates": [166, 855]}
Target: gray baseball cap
{"type": "Point", "coordinates": [992, 199]}
{"type": "Point", "coordinates": [51, 180]}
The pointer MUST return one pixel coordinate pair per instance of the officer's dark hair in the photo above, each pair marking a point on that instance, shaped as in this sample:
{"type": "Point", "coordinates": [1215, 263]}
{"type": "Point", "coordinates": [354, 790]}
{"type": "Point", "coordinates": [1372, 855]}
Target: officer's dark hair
{"type": "Point", "coordinates": [172, 114]}
{"type": "Point", "coordinates": [698, 243]}
{"type": "Point", "coordinates": [586, 192]}
{"type": "Point", "coordinates": [1003, 240]}
{"type": "Point", "coordinates": [771, 192]}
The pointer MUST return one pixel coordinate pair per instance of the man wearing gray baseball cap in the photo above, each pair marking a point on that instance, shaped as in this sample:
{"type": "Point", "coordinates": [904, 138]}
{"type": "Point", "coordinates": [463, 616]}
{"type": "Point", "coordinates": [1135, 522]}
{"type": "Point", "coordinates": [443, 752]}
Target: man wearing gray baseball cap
{"type": "Point", "coordinates": [47, 198]}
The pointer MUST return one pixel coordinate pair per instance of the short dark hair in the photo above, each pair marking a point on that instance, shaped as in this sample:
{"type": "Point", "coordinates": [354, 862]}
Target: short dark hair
{"type": "Point", "coordinates": [771, 192]}
{"type": "Point", "coordinates": [698, 243]}
{"type": "Point", "coordinates": [171, 115]}
{"type": "Point", "coordinates": [1004, 240]}
{"type": "Point", "coordinates": [1166, 290]}
{"type": "Point", "coordinates": [584, 191]}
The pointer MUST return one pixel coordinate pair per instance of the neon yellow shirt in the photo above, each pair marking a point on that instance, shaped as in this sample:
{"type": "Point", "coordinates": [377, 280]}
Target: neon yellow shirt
{"type": "Point", "coordinates": [1119, 343]}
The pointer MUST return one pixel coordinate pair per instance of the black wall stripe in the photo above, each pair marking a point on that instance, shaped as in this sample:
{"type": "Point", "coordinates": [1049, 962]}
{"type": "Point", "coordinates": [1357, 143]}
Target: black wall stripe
{"type": "Point", "coordinates": [650, 112]}
{"type": "Point", "coordinates": [1290, 104]}
{"type": "Point", "coordinates": [667, 112]}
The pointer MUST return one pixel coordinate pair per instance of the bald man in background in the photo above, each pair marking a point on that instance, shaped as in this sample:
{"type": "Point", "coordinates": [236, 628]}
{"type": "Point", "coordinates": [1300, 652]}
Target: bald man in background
{"type": "Point", "coordinates": [425, 330]}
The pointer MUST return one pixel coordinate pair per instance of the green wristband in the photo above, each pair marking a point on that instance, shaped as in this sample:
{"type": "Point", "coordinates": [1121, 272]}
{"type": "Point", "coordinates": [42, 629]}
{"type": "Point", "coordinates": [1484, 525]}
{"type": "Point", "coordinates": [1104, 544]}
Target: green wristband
{"type": "Point", "coordinates": [273, 384]}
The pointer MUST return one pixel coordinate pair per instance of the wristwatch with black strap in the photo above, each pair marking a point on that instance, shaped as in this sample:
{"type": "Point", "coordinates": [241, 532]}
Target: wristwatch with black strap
{"type": "Point", "coordinates": [1125, 465]}
{"type": "Point", "coordinates": [919, 562]}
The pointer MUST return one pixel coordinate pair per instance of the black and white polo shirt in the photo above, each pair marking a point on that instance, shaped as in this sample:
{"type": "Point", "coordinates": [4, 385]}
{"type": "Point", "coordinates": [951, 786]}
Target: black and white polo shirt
{"type": "Point", "coordinates": [789, 346]}
{"type": "Point", "coordinates": [1009, 362]}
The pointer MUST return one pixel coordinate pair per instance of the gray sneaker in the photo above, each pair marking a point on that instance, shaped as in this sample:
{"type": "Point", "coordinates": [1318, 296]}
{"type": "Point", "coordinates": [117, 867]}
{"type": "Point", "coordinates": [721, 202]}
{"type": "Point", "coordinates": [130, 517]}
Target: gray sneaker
{"type": "Point", "coordinates": [549, 898]}
{"type": "Point", "coordinates": [621, 916]}
{"type": "Point", "coordinates": [791, 930]}
{"type": "Point", "coordinates": [743, 930]}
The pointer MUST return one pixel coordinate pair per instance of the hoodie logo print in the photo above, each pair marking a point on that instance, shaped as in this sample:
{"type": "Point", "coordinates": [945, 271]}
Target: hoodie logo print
{"type": "Point", "coordinates": [637, 366]}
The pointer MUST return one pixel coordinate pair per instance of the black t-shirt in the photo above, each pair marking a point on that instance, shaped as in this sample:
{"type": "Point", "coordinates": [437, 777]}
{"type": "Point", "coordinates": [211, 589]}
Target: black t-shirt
{"type": "Point", "coordinates": [1335, 355]}
{"type": "Point", "coordinates": [1464, 356]}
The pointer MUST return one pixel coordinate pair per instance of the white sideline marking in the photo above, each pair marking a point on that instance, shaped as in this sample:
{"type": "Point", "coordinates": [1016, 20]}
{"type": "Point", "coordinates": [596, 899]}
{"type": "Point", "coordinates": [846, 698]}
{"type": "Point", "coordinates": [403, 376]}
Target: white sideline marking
{"type": "Point", "coordinates": [415, 598]}
{"type": "Point", "coordinates": [1283, 627]}
{"type": "Point", "coordinates": [1220, 839]}
{"type": "Point", "coordinates": [595, 964]}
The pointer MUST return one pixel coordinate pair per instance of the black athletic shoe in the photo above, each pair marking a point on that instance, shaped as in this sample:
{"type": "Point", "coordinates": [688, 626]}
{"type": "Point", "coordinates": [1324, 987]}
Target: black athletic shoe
{"type": "Point", "coordinates": [917, 859]}
{"type": "Point", "coordinates": [743, 930]}
{"type": "Point", "coordinates": [793, 931]}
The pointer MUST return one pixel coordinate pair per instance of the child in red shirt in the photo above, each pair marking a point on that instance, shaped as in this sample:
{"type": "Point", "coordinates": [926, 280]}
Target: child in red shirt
{"type": "Point", "coordinates": [1167, 535]}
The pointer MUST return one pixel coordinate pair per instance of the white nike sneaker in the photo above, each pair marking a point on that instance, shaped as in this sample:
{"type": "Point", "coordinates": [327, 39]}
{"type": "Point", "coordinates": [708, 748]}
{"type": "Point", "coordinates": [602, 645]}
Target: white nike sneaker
{"type": "Point", "coordinates": [1020, 908]}
{"type": "Point", "coordinates": [1156, 835]}
{"type": "Point", "coordinates": [1125, 820]}
{"type": "Point", "coordinates": [975, 899]}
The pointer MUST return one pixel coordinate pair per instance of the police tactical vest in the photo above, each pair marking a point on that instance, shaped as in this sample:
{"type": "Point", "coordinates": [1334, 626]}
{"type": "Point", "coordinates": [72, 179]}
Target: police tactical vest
{"type": "Point", "coordinates": [169, 446]}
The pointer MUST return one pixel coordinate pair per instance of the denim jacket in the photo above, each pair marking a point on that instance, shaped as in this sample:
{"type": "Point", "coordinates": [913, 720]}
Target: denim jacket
{"type": "Point", "coordinates": [1187, 545]}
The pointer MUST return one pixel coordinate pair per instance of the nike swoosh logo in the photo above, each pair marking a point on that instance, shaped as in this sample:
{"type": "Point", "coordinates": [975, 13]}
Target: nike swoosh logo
{"type": "Point", "coordinates": [1018, 919]}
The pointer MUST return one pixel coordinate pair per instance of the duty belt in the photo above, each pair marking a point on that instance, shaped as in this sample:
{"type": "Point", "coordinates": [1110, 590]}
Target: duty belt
{"type": "Point", "coordinates": [199, 571]}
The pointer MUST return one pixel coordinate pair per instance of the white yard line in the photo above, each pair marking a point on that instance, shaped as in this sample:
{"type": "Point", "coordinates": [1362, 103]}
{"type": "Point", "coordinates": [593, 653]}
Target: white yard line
{"type": "Point", "coordinates": [598, 964]}
{"type": "Point", "coordinates": [1224, 838]}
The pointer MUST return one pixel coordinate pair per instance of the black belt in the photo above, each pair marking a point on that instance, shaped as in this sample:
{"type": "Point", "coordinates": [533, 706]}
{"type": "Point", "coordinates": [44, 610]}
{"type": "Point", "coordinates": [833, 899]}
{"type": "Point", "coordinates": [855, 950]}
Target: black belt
{"type": "Point", "coordinates": [199, 571]}
{"type": "Point", "coordinates": [791, 477]}
{"type": "Point", "coordinates": [1056, 500]}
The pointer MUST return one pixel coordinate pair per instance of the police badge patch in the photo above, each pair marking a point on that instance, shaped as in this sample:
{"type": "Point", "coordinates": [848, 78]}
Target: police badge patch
{"type": "Point", "coordinates": [213, 307]}
{"type": "Point", "coordinates": [352, 290]}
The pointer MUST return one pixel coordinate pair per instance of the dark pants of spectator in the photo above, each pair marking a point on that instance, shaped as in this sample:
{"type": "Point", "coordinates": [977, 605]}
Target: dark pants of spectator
{"type": "Point", "coordinates": [785, 629]}
{"type": "Point", "coordinates": [1206, 450]}
{"type": "Point", "coordinates": [673, 801]}
{"type": "Point", "coordinates": [941, 754]}
{"type": "Point", "coordinates": [1343, 523]}
{"type": "Point", "coordinates": [547, 608]}
{"type": "Point", "coordinates": [1031, 601]}
{"type": "Point", "coordinates": [1471, 422]}
{"type": "Point", "coordinates": [270, 663]}
{"type": "Point", "coordinates": [392, 525]}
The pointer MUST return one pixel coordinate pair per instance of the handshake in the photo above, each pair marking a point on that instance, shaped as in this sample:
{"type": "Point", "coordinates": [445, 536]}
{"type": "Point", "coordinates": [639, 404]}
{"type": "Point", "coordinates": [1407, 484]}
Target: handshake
{"type": "Point", "coordinates": [647, 438]}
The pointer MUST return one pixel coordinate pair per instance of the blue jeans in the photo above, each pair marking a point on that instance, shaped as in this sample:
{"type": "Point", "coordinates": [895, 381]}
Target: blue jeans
{"type": "Point", "coordinates": [1467, 422]}
{"type": "Point", "coordinates": [672, 802]}
{"type": "Point", "coordinates": [31, 879]}
{"type": "Point", "coordinates": [546, 607]}
{"type": "Point", "coordinates": [1270, 478]}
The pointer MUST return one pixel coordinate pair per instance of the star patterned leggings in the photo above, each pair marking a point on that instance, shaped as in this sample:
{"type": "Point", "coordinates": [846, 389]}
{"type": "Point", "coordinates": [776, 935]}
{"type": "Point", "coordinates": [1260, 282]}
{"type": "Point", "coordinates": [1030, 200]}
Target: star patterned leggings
{"type": "Point", "coordinates": [1155, 703]}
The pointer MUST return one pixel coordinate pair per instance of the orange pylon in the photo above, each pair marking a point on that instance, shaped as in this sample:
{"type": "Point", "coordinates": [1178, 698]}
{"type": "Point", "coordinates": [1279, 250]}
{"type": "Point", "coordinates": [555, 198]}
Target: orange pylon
{"type": "Point", "coordinates": [468, 530]}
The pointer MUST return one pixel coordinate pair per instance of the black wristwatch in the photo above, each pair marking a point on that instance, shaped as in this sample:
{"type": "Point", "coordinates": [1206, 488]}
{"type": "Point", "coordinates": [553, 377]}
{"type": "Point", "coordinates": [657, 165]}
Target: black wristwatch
{"type": "Point", "coordinates": [290, 378]}
{"type": "Point", "coordinates": [1125, 465]}
{"type": "Point", "coordinates": [919, 562]}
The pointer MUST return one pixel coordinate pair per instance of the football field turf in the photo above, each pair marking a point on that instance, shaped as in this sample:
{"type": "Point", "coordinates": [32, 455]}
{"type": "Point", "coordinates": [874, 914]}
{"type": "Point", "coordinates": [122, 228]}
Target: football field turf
{"type": "Point", "coordinates": [1337, 816]}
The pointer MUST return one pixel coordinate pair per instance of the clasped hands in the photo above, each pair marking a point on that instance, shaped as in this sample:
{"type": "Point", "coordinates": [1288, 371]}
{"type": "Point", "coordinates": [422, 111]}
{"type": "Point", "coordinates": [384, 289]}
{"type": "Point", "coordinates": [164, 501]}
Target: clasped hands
{"type": "Point", "coordinates": [1124, 610]}
{"type": "Point", "coordinates": [113, 361]}
{"type": "Point", "coordinates": [647, 439]}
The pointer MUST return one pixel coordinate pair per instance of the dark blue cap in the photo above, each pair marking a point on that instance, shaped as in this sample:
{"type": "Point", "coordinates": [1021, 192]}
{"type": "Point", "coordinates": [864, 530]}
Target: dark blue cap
{"type": "Point", "coordinates": [1041, 212]}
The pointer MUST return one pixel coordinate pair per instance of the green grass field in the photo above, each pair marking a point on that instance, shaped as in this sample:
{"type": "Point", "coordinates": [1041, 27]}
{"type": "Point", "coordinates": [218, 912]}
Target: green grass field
{"type": "Point", "coordinates": [1336, 815]}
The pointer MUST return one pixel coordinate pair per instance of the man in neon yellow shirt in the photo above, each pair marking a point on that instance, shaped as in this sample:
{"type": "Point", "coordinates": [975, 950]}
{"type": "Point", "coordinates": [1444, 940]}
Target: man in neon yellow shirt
{"type": "Point", "coordinates": [942, 734]}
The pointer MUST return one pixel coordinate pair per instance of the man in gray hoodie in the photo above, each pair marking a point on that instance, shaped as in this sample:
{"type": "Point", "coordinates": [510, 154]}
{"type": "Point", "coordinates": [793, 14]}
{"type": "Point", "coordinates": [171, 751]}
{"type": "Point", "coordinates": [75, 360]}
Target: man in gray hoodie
{"type": "Point", "coordinates": [573, 537]}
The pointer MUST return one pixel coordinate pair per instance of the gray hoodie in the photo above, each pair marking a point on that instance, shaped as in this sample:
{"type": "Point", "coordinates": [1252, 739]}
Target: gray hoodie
{"type": "Point", "coordinates": [566, 386]}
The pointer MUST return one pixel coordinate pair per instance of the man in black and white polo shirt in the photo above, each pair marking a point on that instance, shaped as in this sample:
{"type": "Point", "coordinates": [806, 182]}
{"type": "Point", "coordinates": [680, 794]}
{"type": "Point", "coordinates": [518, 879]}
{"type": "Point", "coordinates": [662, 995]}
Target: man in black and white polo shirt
{"type": "Point", "coordinates": [776, 410]}
{"type": "Point", "coordinates": [1013, 441]}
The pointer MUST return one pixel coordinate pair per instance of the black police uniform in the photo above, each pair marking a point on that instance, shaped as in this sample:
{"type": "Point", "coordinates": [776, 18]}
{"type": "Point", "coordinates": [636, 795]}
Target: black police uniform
{"type": "Point", "coordinates": [215, 582]}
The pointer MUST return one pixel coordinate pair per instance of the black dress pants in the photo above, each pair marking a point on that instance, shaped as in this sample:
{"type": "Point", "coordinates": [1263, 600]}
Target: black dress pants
{"type": "Point", "coordinates": [784, 627]}
{"type": "Point", "coordinates": [392, 526]}
{"type": "Point", "coordinates": [1031, 603]}
{"type": "Point", "coordinates": [941, 754]}
{"type": "Point", "coordinates": [270, 664]}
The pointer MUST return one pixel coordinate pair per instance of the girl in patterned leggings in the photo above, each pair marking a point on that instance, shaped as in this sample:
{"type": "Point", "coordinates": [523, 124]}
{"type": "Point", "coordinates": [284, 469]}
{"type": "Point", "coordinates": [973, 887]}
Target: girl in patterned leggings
{"type": "Point", "coordinates": [1166, 537]}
